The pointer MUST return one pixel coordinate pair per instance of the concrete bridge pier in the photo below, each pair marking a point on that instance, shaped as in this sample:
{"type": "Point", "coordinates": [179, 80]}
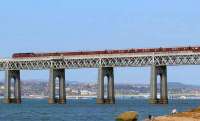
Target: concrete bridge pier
{"type": "Point", "coordinates": [54, 75]}
{"type": "Point", "coordinates": [12, 75]}
{"type": "Point", "coordinates": [163, 86]}
{"type": "Point", "coordinates": [105, 72]}
{"type": "Point", "coordinates": [153, 85]}
{"type": "Point", "coordinates": [162, 72]}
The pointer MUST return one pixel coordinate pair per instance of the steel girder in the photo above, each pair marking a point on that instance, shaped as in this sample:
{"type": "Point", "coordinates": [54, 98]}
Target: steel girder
{"type": "Point", "coordinates": [95, 62]}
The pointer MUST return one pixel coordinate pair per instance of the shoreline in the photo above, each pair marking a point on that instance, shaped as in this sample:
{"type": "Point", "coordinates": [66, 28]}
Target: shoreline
{"type": "Point", "coordinates": [190, 115]}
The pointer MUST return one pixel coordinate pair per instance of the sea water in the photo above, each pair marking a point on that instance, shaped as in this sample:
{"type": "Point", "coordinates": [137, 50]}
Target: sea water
{"type": "Point", "coordinates": [87, 110]}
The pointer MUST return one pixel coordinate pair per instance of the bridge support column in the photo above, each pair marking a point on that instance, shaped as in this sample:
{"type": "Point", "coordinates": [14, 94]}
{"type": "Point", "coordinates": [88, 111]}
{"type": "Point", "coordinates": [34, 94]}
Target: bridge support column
{"type": "Point", "coordinates": [163, 86]}
{"type": "Point", "coordinates": [153, 85]}
{"type": "Point", "coordinates": [16, 96]}
{"type": "Point", "coordinates": [60, 75]}
{"type": "Point", "coordinates": [162, 72]}
{"type": "Point", "coordinates": [105, 72]}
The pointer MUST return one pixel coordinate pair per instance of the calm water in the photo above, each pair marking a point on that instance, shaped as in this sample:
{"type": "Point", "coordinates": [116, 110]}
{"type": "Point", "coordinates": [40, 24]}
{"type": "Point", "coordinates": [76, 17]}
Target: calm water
{"type": "Point", "coordinates": [86, 110]}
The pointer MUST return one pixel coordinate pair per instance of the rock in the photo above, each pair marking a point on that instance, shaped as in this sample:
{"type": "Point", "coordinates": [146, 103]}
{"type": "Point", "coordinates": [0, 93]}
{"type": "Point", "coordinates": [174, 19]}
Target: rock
{"type": "Point", "coordinates": [128, 116]}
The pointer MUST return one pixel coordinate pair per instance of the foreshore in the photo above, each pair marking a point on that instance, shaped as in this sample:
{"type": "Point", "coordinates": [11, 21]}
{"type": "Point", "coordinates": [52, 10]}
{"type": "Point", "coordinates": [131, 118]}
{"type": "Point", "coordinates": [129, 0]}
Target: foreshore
{"type": "Point", "coordinates": [192, 115]}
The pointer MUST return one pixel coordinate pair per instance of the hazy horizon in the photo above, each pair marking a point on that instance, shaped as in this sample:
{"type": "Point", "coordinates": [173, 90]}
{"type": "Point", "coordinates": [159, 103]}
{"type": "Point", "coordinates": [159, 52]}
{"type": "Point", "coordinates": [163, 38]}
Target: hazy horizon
{"type": "Point", "coordinates": [95, 81]}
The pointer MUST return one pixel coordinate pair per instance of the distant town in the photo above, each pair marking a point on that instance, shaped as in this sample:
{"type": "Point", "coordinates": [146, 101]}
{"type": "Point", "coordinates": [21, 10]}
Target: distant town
{"type": "Point", "coordinates": [39, 89]}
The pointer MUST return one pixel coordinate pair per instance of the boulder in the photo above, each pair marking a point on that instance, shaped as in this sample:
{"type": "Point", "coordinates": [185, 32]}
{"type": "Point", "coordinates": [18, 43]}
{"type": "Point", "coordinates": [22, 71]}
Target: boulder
{"type": "Point", "coordinates": [128, 116]}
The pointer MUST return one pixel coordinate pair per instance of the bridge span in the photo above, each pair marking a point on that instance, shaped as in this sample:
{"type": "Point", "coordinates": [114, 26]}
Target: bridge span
{"type": "Point", "coordinates": [105, 61]}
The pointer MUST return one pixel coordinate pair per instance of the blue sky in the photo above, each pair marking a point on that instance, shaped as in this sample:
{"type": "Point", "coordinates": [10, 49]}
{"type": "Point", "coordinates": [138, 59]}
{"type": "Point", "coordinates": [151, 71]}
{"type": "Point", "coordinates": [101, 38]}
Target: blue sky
{"type": "Point", "coordinates": [63, 25]}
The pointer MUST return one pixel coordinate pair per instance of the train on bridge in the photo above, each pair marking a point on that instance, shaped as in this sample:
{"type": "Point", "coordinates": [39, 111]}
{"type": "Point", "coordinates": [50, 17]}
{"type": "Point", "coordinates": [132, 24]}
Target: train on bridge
{"type": "Point", "coordinates": [177, 49]}
{"type": "Point", "coordinates": [105, 61]}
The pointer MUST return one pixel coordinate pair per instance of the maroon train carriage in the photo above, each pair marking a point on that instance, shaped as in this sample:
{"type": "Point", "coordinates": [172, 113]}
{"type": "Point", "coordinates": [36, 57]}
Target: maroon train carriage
{"type": "Point", "coordinates": [139, 50]}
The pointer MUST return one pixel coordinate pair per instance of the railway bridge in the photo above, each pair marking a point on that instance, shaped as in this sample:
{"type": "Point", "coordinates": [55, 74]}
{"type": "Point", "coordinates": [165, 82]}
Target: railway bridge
{"type": "Point", "coordinates": [157, 58]}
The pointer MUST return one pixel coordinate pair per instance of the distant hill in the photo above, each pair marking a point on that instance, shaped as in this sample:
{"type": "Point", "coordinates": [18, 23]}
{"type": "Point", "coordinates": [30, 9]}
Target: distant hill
{"type": "Point", "coordinates": [178, 85]}
{"type": "Point", "coordinates": [171, 85]}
